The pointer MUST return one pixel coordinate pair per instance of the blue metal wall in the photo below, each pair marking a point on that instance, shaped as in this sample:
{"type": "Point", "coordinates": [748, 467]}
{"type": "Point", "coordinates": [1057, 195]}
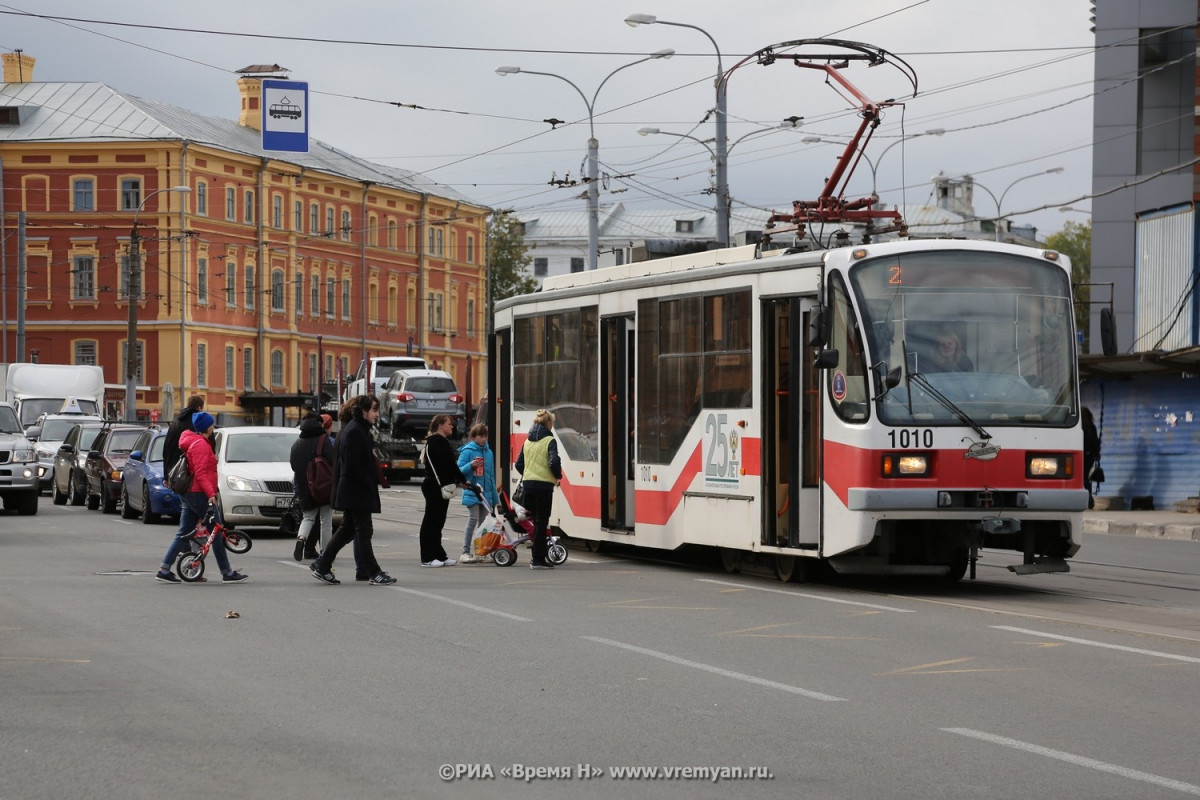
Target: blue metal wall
{"type": "Point", "coordinates": [1150, 437]}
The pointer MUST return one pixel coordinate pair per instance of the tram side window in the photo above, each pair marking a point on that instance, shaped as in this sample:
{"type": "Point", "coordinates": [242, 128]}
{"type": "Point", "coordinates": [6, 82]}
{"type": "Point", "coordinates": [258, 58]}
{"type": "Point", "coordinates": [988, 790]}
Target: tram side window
{"type": "Point", "coordinates": [847, 383]}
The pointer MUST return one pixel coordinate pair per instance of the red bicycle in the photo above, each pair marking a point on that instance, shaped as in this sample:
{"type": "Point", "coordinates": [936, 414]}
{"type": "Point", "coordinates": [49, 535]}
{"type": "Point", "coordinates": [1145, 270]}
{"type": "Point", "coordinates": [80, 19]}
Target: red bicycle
{"type": "Point", "coordinates": [191, 565]}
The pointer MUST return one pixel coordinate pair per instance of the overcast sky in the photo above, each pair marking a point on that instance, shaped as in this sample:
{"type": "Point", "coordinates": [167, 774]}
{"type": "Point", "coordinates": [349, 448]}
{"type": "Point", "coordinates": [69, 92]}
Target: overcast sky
{"type": "Point", "coordinates": [1009, 82]}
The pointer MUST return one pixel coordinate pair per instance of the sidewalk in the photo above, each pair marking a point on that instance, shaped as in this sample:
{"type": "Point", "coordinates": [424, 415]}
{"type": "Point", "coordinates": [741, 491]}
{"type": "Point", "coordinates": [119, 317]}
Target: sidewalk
{"type": "Point", "coordinates": [1150, 524]}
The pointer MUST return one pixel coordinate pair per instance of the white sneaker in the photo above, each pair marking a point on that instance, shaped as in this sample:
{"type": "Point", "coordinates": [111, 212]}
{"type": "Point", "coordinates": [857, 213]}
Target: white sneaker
{"type": "Point", "coordinates": [434, 563]}
{"type": "Point", "coordinates": [467, 558]}
{"type": "Point", "coordinates": [449, 562]}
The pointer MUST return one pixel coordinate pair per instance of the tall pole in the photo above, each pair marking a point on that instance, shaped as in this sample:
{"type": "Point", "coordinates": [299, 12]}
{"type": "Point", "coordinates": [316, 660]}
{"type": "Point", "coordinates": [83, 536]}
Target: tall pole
{"type": "Point", "coordinates": [131, 294]}
{"type": "Point", "coordinates": [999, 203]}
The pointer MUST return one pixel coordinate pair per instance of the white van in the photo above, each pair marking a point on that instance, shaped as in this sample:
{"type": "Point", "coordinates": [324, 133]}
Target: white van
{"type": "Point", "coordinates": [373, 373]}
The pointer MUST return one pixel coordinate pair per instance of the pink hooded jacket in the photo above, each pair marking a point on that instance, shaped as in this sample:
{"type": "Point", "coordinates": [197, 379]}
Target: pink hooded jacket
{"type": "Point", "coordinates": [202, 460]}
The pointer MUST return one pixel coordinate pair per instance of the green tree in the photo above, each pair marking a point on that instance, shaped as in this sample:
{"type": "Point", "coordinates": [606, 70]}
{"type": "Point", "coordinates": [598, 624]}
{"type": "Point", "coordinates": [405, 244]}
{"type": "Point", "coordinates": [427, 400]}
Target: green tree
{"type": "Point", "coordinates": [508, 260]}
{"type": "Point", "coordinates": [1075, 242]}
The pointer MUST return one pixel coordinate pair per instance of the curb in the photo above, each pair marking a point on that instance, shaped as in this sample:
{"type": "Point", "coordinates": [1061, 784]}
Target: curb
{"type": "Point", "coordinates": [1148, 530]}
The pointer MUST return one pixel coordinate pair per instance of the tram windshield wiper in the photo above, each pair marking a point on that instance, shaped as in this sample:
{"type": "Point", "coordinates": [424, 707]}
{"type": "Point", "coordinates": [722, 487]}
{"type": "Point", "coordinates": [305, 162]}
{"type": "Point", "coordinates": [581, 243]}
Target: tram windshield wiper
{"type": "Point", "coordinates": [911, 376]}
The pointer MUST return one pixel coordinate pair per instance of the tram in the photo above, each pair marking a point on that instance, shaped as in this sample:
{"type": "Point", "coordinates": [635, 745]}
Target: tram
{"type": "Point", "coordinates": [797, 408]}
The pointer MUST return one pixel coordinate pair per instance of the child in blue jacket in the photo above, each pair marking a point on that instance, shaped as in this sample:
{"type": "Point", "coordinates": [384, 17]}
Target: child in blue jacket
{"type": "Point", "coordinates": [477, 465]}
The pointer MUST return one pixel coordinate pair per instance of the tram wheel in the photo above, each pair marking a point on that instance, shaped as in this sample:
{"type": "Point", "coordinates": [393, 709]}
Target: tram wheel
{"type": "Point", "coordinates": [787, 568]}
{"type": "Point", "coordinates": [594, 545]}
{"type": "Point", "coordinates": [731, 560]}
{"type": "Point", "coordinates": [958, 565]}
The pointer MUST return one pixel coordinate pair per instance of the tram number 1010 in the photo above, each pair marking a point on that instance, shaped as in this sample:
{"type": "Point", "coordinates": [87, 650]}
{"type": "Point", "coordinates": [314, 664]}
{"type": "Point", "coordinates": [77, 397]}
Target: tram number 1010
{"type": "Point", "coordinates": [911, 437]}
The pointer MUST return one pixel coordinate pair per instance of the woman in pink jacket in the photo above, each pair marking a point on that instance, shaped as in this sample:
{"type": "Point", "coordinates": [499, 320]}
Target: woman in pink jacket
{"type": "Point", "coordinates": [196, 447]}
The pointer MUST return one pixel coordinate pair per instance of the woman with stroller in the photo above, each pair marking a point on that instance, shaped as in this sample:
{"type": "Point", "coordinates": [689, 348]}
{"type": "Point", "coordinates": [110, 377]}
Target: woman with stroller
{"type": "Point", "coordinates": [477, 466]}
{"type": "Point", "coordinates": [541, 471]}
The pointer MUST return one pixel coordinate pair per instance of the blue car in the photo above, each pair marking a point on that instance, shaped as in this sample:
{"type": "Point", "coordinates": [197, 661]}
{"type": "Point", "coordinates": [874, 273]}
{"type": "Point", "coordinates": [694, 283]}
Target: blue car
{"type": "Point", "coordinates": [142, 489]}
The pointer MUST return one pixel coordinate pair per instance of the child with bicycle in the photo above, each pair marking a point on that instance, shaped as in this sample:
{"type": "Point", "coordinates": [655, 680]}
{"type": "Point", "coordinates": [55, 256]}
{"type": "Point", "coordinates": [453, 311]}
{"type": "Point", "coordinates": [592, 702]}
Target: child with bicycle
{"type": "Point", "coordinates": [196, 446]}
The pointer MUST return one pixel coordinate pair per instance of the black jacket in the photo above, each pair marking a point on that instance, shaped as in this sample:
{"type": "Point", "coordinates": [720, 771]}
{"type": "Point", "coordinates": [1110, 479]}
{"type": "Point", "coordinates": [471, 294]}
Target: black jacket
{"type": "Point", "coordinates": [304, 450]}
{"type": "Point", "coordinates": [355, 476]}
{"type": "Point", "coordinates": [441, 454]}
{"type": "Point", "coordinates": [181, 423]}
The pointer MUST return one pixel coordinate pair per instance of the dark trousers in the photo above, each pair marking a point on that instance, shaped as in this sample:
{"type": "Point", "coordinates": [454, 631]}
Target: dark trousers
{"type": "Point", "coordinates": [356, 527]}
{"type": "Point", "coordinates": [539, 504]}
{"type": "Point", "coordinates": [433, 522]}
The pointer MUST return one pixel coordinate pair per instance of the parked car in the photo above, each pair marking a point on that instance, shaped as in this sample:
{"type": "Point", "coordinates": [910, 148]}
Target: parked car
{"type": "Point", "coordinates": [142, 489]}
{"type": "Point", "coordinates": [47, 433]}
{"type": "Point", "coordinates": [68, 481]}
{"type": "Point", "coordinates": [18, 465]}
{"type": "Point", "coordinates": [254, 474]}
{"type": "Point", "coordinates": [411, 398]}
{"type": "Point", "coordinates": [105, 463]}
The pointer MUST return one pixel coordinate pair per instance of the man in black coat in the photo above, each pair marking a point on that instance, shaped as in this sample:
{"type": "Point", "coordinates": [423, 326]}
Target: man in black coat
{"type": "Point", "coordinates": [182, 423]}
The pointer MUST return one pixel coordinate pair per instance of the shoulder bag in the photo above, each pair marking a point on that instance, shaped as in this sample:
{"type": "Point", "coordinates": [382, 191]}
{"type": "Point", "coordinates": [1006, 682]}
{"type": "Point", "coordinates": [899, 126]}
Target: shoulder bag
{"type": "Point", "coordinates": [448, 489]}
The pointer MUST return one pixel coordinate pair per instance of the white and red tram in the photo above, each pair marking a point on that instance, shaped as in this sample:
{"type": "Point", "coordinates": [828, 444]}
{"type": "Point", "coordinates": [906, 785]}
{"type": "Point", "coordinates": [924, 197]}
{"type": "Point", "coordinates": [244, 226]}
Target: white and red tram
{"type": "Point", "coordinates": [887, 408]}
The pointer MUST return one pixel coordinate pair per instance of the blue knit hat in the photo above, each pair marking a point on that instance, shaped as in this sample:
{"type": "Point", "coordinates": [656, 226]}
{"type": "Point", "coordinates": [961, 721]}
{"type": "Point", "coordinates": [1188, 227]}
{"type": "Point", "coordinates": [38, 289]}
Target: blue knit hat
{"type": "Point", "coordinates": [202, 421]}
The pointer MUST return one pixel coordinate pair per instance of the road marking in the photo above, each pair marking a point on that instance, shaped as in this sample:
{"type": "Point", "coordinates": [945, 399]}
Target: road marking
{"type": "Point", "coordinates": [1081, 761]}
{"type": "Point", "coordinates": [739, 676]}
{"type": "Point", "coordinates": [47, 660]}
{"type": "Point", "coordinates": [928, 669]}
{"type": "Point", "coordinates": [1091, 643]}
{"type": "Point", "coordinates": [809, 596]}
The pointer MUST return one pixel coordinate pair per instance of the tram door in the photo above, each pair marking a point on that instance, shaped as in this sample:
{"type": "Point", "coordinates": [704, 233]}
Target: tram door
{"type": "Point", "coordinates": [791, 444]}
{"type": "Point", "coordinates": [617, 435]}
{"type": "Point", "coordinates": [499, 408]}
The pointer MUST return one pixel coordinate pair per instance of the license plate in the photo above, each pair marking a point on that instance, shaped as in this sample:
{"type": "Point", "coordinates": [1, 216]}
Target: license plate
{"type": "Point", "coordinates": [430, 403]}
{"type": "Point", "coordinates": [283, 502]}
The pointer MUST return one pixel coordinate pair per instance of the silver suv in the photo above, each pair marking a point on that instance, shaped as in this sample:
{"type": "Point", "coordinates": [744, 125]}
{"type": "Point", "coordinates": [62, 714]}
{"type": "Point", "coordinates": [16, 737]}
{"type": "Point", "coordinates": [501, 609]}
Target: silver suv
{"type": "Point", "coordinates": [411, 398]}
{"type": "Point", "coordinates": [18, 465]}
{"type": "Point", "coordinates": [47, 434]}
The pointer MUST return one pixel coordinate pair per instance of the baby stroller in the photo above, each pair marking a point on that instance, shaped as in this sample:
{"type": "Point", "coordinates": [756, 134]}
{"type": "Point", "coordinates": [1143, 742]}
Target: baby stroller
{"type": "Point", "coordinates": [506, 526]}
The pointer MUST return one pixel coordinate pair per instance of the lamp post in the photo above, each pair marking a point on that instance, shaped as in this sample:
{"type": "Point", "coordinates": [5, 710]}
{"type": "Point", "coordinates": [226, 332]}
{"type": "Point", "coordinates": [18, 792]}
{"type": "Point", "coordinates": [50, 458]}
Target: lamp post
{"type": "Point", "coordinates": [874, 165]}
{"type": "Point", "coordinates": [132, 292]}
{"type": "Point", "coordinates": [721, 154]}
{"type": "Point", "coordinates": [999, 203]}
{"type": "Point", "coordinates": [723, 209]}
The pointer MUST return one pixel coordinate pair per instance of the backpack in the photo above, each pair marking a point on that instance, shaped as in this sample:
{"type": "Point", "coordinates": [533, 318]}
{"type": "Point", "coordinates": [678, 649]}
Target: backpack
{"type": "Point", "coordinates": [319, 475]}
{"type": "Point", "coordinates": [179, 479]}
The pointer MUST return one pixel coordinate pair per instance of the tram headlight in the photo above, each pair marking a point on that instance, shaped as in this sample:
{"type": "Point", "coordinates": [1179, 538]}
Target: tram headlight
{"type": "Point", "coordinates": [1049, 465]}
{"type": "Point", "coordinates": [905, 465]}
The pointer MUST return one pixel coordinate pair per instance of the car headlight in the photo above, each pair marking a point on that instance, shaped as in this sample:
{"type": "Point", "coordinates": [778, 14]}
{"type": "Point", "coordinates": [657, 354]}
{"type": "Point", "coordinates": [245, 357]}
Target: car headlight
{"type": "Point", "coordinates": [1049, 465]}
{"type": "Point", "coordinates": [24, 453]}
{"type": "Point", "coordinates": [905, 465]}
{"type": "Point", "coordinates": [240, 484]}
{"type": "Point", "coordinates": [115, 475]}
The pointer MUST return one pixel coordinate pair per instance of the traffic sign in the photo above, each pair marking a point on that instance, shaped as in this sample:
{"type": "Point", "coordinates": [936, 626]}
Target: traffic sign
{"type": "Point", "coordinates": [285, 116]}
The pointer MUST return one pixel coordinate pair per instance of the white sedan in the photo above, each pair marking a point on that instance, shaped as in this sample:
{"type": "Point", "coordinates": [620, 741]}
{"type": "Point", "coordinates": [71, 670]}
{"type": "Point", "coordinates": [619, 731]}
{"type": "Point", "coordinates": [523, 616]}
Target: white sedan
{"type": "Point", "coordinates": [254, 474]}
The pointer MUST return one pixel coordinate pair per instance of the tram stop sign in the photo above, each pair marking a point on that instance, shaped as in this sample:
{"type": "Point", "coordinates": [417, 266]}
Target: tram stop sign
{"type": "Point", "coordinates": [285, 116]}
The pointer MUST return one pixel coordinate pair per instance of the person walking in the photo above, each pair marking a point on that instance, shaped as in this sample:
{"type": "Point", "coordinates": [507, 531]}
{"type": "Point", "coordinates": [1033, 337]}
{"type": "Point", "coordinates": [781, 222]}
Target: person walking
{"type": "Point", "coordinates": [355, 492]}
{"type": "Point", "coordinates": [541, 470]}
{"type": "Point", "coordinates": [441, 469]}
{"type": "Point", "coordinates": [196, 446]}
{"type": "Point", "coordinates": [1091, 451]}
{"type": "Point", "coordinates": [476, 465]}
{"type": "Point", "coordinates": [181, 423]}
{"type": "Point", "coordinates": [317, 522]}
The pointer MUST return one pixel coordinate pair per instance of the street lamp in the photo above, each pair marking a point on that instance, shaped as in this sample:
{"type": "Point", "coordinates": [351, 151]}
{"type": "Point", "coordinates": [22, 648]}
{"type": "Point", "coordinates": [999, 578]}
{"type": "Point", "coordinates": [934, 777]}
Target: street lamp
{"type": "Point", "coordinates": [723, 207]}
{"type": "Point", "coordinates": [593, 177]}
{"type": "Point", "coordinates": [132, 292]}
{"type": "Point", "coordinates": [875, 164]}
{"type": "Point", "coordinates": [999, 203]}
{"type": "Point", "coordinates": [722, 151]}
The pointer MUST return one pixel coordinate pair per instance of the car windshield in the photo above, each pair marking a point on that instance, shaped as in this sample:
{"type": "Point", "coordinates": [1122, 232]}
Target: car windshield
{"type": "Point", "coordinates": [122, 441]}
{"type": "Point", "coordinates": [55, 430]}
{"type": "Point", "coordinates": [257, 447]}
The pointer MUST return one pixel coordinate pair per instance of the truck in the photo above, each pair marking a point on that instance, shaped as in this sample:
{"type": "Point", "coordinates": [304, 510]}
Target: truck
{"type": "Point", "coordinates": [36, 389]}
{"type": "Point", "coordinates": [399, 456]}
{"type": "Point", "coordinates": [373, 373]}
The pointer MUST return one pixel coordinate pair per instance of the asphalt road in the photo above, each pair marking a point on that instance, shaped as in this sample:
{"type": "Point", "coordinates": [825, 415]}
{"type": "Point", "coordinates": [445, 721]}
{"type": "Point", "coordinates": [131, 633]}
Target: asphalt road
{"type": "Point", "coordinates": [517, 683]}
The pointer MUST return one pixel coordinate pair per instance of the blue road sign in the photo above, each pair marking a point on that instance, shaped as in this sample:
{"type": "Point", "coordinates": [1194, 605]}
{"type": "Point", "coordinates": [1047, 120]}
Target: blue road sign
{"type": "Point", "coordinates": [285, 116]}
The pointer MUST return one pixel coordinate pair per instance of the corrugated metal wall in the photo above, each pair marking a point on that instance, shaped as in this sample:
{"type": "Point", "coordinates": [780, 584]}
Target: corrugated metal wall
{"type": "Point", "coordinates": [1166, 247]}
{"type": "Point", "coordinates": [1150, 431]}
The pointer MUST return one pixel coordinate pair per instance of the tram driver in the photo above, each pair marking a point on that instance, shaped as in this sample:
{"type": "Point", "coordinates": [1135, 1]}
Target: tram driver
{"type": "Point", "coordinates": [948, 355]}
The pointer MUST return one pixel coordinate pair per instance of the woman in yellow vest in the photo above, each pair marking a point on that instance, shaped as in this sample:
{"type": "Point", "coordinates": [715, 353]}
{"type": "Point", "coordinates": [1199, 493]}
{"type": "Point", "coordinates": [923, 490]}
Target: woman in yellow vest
{"type": "Point", "coordinates": [540, 471]}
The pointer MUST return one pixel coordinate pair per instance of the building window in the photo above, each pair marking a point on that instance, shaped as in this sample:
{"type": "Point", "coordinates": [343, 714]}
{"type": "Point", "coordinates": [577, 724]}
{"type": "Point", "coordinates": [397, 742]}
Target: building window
{"type": "Point", "coordinates": [276, 368]}
{"type": "Point", "coordinates": [277, 290]}
{"type": "Point", "coordinates": [299, 294]}
{"type": "Point", "coordinates": [247, 370]}
{"type": "Point", "coordinates": [312, 372]}
{"type": "Point", "coordinates": [329, 222]}
{"type": "Point", "coordinates": [298, 224]}
{"type": "Point", "coordinates": [373, 231]}
{"type": "Point", "coordinates": [435, 311]}
{"type": "Point", "coordinates": [685, 226]}
{"type": "Point", "coordinates": [85, 353]}
{"type": "Point", "coordinates": [202, 198]}
{"type": "Point", "coordinates": [437, 239]}
{"type": "Point", "coordinates": [345, 226]}
{"type": "Point", "coordinates": [230, 283]}
{"type": "Point", "coordinates": [314, 282]}
{"type": "Point", "coordinates": [202, 281]}
{"type": "Point", "coordinates": [229, 359]}
{"type": "Point", "coordinates": [249, 286]}
{"type": "Point", "coordinates": [345, 298]}
{"type": "Point", "coordinates": [314, 218]}
{"type": "Point", "coordinates": [576, 265]}
{"type": "Point", "coordinates": [328, 366]}
{"type": "Point", "coordinates": [85, 194]}
{"type": "Point", "coordinates": [540, 267]}
{"type": "Point", "coordinates": [470, 249]}
{"type": "Point", "coordinates": [330, 291]}
{"type": "Point", "coordinates": [410, 237]}
{"type": "Point", "coordinates": [83, 274]}
{"type": "Point", "coordinates": [470, 316]}
{"type": "Point", "coordinates": [231, 204]}
{"type": "Point", "coordinates": [131, 194]}
{"type": "Point", "coordinates": [125, 362]}
{"type": "Point", "coordinates": [276, 211]}
{"type": "Point", "coordinates": [391, 233]}
{"type": "Point", "coordinates": [138, 289]}
{"type": "Point", "coordinates": [248, 211]}
{"type": "Point", "coordinates": [202, 365]}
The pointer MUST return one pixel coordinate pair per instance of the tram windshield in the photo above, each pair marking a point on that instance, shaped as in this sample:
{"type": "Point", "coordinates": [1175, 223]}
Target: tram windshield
{"type": "Point", "coordinates": [991, 332]}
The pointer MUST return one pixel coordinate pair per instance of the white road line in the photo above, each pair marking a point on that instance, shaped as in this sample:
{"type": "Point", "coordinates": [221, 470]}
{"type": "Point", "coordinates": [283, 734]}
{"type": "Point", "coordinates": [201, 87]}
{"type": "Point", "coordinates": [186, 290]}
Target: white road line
{"type": "Point", "coordinates": [442, 598]}
{"type": "Point", "coordinates": [1091, 643]}
{"type": "Point", "coordinates": [738, 676]}
{"type": "Point", "coordinates": [1090, 763]}
{"type": "Point", "coordinates": [809, 596]}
